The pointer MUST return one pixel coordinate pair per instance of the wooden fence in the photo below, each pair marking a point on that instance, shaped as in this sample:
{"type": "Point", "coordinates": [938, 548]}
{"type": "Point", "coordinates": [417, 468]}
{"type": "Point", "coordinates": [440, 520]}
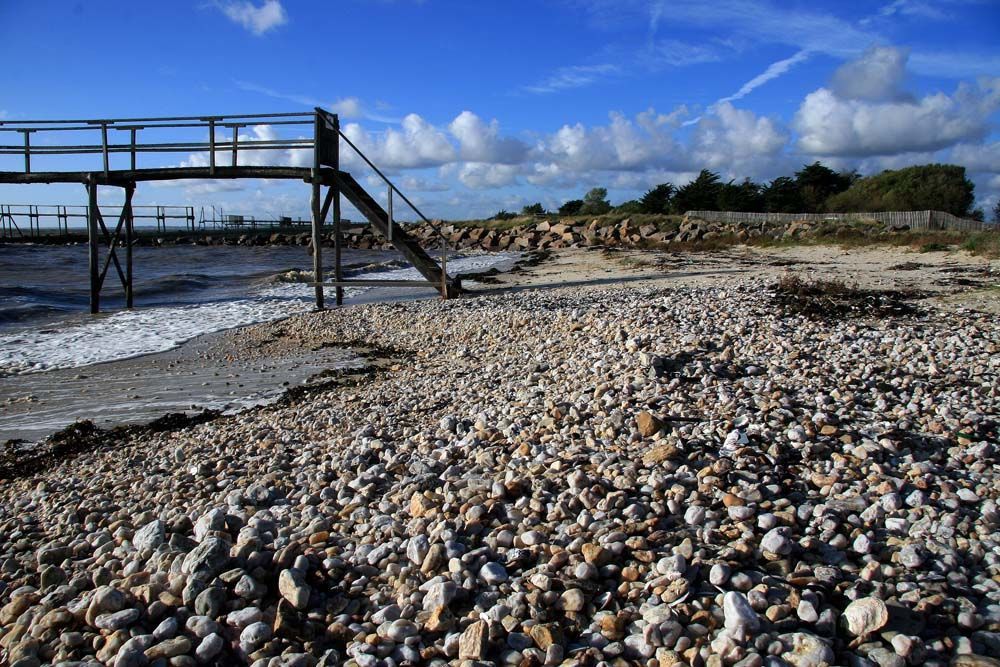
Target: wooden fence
{"type": "Point", "coordinates": [914, 220]}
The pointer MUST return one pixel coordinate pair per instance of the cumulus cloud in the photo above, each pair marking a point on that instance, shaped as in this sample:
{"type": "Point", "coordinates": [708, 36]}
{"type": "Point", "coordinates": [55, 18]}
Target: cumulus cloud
{"type": "Point", "coordinates": [865, 111]}
{"type": "Point", "coordinates": [622, 144]}
{"type": "Point", "coordinates": [481, 142]}
{"type": "Point", "coordinates": [481, 175]}
{"type": "Point", "coordinates": [416, 184]}
{"type": "Point", "coordinates": [876, 76]}
{"type": "Point", "coordinates": [256, 19]}
{"type": "Point", "coordinates": [738, 142]}
{"type": "Point", "coordinates": [416, 144]}
{"type": "Point", "coordinates": [830, 125]}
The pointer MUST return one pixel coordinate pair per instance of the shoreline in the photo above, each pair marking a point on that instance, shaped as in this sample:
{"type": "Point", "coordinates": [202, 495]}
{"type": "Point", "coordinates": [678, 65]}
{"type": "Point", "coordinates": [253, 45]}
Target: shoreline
{"type": "Point", "coordinates": [196, 375]}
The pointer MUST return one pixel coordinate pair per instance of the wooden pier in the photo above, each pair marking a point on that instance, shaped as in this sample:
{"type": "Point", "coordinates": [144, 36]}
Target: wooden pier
{"type": "Point", "coordinates": [323, 172]}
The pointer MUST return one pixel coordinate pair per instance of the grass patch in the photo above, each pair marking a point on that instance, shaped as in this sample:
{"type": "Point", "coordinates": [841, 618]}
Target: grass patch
{"type": "Point", "coordinates": [934, 246]}
{"type": "Point", "coordinates": [500, 225]}
{"type": "Point", "coordinates": [986, 244]}
{"type": "Point", "coordinates": [835, 299]}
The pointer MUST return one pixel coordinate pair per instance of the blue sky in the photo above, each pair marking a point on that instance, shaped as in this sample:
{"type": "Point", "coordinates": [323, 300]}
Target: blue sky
{"type": "Point", "coordinates": [477, 106]}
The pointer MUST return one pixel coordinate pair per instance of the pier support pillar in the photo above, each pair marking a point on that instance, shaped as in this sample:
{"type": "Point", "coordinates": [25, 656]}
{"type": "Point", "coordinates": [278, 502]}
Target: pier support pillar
{"type": "Point", "coordinates": [317, 239]}
{"type": "Point", "coordinates": [337, 244]}
{"type": "Point", "coordinates": [92, 213]}
{"type": "Point", "coordinates": [129, 218]}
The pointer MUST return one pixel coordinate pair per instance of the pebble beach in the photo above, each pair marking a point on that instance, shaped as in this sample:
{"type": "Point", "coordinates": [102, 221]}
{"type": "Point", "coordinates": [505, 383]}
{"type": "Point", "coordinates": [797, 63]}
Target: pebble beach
{"type": "Point", "coordinates": [644, 474]}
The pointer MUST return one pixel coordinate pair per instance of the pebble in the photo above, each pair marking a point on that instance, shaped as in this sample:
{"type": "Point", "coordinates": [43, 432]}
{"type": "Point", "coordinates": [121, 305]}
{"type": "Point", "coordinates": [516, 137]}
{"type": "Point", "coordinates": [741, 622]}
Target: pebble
{"type": "Point", "coordinates": [493, 573]}
{"type": "Point", "coordinates": [585, 475]}
{"type": "Point", "coordinates": [865, 616]}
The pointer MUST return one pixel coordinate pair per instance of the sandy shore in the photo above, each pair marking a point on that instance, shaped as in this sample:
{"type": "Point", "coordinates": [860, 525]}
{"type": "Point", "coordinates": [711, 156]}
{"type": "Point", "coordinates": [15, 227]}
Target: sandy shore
{"type": "Point", "coordinates": [624, 458]}
{"type": "Point", "coordinates": [950, 278]}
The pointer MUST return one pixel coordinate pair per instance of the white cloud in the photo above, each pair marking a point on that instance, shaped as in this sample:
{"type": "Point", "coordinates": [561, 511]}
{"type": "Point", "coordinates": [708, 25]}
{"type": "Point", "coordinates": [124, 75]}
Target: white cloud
{"type": "Point", "coordinates": [773, 71]}
{"type": "Point", "coordinates": [738, 142]}
{"type": "Point", "coordinates": [575, 76]}
{"type": "Point", "coordinates": [481, 142]}
{"type": "Point", "coordinates": [876, 76]}
{"type": "Point", "coordinates": [480, 175]}
{"type": "Point", "coordinates": [416, 184]}
{"type": "Point", "coordinates": [257, 19]}
{"type": "Point", "coordinates": [417, 144]}
{"type": "Point", "coordinates": [830, 125]}
{"type": "Point", "coordinates": [622, 144]}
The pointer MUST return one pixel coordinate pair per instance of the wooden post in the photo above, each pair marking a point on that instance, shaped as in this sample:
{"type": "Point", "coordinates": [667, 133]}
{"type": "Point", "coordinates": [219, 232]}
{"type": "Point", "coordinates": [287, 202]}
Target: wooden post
{"type": "Point", "coordinates": [337, 241]}
{"type": "Point", "coordinates": [27, 151]}
{"type": "Point", "coordinates": [236, 139]}
{"type": "Point", "coordinates": [129, 190]}
{"type": "Point", "coordinates": [95, 289]}
{"type": "Point", "coordinates": [317, 224]}
{"type": "Point", "coordinates": [444, 273]}
{"type": "Point", "coordinates": [132, 132]}
{"type": "Point", "coordinates": [337, 245]}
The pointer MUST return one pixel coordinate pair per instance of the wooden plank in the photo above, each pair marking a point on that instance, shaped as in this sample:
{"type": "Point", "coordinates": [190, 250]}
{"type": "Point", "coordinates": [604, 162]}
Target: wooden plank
{"type": "Point", "coordinates": [380, 283]}
{"type": "Point", "coordinates": [122, 177]}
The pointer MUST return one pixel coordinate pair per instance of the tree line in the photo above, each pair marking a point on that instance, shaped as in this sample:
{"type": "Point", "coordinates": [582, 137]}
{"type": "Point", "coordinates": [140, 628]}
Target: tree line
{"type": "Point", "coordinates": [813, 189]}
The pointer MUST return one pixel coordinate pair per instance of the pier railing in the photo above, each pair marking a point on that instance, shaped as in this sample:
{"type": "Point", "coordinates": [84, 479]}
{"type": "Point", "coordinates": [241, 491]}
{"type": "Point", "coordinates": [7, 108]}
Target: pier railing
{"type": "Point", "coordinates": [111, 137]}
{"type": "Point", "coordinates": [26, 220]}
{"type": "Point", "coordinates": [105, 137]}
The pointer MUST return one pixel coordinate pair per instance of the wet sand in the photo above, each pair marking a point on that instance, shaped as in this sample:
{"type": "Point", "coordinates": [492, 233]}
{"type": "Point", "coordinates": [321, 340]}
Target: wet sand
{"type": "Point", "coordinates": [215, 371]}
